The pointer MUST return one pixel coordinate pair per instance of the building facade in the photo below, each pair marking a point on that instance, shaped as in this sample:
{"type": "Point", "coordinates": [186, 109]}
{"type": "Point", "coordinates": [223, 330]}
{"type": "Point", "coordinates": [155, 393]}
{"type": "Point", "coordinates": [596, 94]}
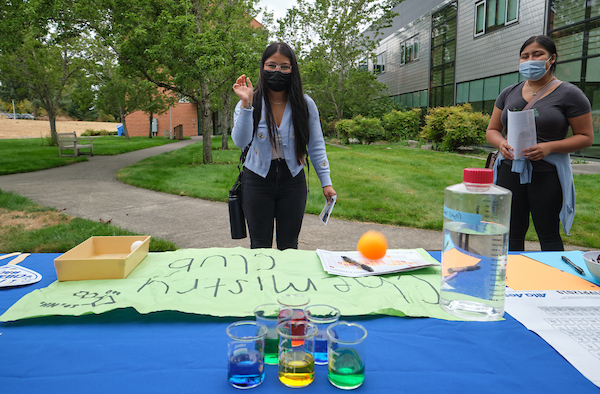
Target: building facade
{"type": "Point", "coordinates": [449, 52]}
{"type": "Point", "coordinates": [182, 113]}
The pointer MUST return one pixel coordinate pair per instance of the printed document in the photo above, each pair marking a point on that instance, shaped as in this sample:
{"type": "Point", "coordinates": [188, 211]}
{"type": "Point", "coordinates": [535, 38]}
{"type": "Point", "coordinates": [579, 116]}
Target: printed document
{"type": "Point", "coordinates": [521, 131]}
{"type": "Point", "coordinates": [395, 260]}
{"type": "Point", "coordinates": [327, 209]}
{"type": "Point", "coordinates": [569, 320]}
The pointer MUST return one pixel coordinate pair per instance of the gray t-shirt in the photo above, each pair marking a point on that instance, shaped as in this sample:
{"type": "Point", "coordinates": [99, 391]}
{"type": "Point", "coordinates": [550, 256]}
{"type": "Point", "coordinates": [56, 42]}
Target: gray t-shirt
{"type": "Point", "coordinates": [551, 112]}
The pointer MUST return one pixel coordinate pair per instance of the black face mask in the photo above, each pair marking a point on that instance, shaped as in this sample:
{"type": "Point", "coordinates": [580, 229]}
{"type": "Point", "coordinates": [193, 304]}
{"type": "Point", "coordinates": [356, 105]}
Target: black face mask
{"type": "Point", "coordinates": [276, 80]}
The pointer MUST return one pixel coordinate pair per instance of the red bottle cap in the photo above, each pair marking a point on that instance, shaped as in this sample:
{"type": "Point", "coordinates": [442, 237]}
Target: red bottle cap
{"type": "Point", "coordinates": [478, 175]}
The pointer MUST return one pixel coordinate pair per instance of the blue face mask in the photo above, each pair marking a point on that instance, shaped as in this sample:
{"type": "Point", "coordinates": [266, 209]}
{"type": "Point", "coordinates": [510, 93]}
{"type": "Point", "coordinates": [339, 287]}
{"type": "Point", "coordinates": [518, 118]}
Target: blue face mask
{"type": "Point", "coordinates": [534, 70]}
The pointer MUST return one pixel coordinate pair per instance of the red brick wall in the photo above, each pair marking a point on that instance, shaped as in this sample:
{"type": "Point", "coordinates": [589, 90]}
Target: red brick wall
{"type": "Point", "coordinates": [181, 113]}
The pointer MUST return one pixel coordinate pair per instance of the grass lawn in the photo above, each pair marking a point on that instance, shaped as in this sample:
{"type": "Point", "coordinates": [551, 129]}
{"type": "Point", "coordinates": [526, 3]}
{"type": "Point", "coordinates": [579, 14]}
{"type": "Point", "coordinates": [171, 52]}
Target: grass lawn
{"type": "Point", "coordinates": [389, 184]}
{"type": "Point", "coordinates": [27, 227]}
{"type": "Point", "coordinates": [34, 154]}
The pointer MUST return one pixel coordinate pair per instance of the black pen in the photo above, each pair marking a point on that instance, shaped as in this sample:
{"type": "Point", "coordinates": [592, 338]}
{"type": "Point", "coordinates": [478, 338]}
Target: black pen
{"type": "Point", "coordinates": [363, 266]}
{"type": "Point", "coordinates": [577, 268]}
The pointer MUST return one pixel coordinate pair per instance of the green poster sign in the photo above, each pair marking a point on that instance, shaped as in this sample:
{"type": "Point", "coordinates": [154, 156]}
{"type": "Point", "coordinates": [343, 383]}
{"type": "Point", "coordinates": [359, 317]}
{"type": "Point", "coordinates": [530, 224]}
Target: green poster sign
{"type": "Point", "coordinates": [232, 282]}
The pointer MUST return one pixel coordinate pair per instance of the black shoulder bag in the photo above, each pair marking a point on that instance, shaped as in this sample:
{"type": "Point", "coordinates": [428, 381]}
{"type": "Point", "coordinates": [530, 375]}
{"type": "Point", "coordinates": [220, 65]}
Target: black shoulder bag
{"type": "Point", "coordinates": [237, 220]}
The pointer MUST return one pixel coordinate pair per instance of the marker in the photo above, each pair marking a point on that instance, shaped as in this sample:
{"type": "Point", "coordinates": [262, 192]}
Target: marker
{"type": "Point", "coordinates": [577, 268]}
{"type": "Point", "coordinates": [464, 269]}
{"type": "Point", "coordinates": [363, 266]}
{"type": "Point", "coordinates": [451, 276]}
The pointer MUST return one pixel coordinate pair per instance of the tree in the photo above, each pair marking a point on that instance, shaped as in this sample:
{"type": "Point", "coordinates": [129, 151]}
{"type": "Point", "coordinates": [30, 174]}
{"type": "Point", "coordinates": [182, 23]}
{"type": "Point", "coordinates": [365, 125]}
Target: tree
{"type": "Point", "coordinates": [48, 68]}
{"type": "Point", "coordinates": [331, 38]}
{"type": "Point", "coordinates": [120, 96]}
{"type": "Point", "coordinates": [11, 89]}
{"type": "Point", "coordinates": [190, 48]}
{"type": "Point", "coordinates": [47, 53]}
{"type": "Point", "coordinates": [80, 100]}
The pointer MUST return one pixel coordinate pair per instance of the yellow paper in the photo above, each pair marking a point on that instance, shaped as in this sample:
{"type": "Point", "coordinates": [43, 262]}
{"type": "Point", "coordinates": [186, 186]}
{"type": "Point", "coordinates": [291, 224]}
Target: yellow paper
{"type": "Point", "coordinates": [523, 273]}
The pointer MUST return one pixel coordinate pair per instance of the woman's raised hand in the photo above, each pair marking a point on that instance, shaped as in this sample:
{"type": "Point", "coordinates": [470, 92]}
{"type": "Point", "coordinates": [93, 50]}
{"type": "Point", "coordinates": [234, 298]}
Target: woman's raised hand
{"type": "Point", "coordinates": [244, 90]}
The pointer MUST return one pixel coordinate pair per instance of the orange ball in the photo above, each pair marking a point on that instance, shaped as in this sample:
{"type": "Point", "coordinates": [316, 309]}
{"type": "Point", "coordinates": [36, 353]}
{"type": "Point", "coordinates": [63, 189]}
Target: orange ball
{"type": "Point", "coordinates": [373, 245]}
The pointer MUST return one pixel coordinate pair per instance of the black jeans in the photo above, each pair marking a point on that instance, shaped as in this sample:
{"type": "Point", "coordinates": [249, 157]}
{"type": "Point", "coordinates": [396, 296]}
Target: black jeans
{"type": "Point", "coordinates": [279, 197]}
{"type": "Point", "coordinates": [542, 198]}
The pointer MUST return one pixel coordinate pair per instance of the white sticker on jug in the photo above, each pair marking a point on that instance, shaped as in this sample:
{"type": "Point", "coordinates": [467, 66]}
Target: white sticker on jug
{"type": "Point", "coordinates": [464, 217]}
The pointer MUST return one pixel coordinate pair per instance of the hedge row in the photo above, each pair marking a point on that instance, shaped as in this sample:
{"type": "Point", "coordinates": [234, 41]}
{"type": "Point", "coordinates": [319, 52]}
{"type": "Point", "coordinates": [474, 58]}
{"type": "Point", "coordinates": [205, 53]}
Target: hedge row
{"type": "Point", "coordinates": [448, 127]}
{"type": "Point", "coordinates": [394, 126]}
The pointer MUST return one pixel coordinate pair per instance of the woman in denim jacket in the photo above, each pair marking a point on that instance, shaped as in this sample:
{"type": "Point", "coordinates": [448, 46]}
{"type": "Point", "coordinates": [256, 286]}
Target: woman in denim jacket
{"type": "Point", "coordinates": [274, 185]}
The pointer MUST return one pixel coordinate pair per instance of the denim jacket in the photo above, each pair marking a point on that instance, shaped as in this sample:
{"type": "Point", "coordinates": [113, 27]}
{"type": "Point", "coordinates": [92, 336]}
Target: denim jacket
{"type": "Point", "coordinates": [562, 162]}
{"type": "Point", "coordinates": [259, 155]}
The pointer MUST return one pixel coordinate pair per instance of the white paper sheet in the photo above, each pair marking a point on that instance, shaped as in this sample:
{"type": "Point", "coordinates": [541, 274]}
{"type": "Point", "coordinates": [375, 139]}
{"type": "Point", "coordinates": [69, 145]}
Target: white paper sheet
{"type": "Point", "coordinates": [569, 320]}
{"type": "Point", "coordinates": [395, 260]}
{"type": "Point", "coordinates": [521, 131]}
{"type": "Point", "coordinates": [327, 209]}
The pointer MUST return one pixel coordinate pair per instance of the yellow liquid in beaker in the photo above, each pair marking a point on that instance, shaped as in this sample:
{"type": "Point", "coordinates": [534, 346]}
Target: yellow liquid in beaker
{"type": "Point", "coordinates": [296, 369]}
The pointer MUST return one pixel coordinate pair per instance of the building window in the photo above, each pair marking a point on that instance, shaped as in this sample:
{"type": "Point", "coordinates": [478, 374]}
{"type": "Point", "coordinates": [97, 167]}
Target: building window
{"type": "Point", "coordinates": [379, 64]}
{"type": "Point", "coordinates": [491, 15]}
{"type": "Point", "coordinates": [409, 50]}
{"type": "Point", "coordinates": [443, 53]}
{"type": "Point", "coordinates": [363, 65]}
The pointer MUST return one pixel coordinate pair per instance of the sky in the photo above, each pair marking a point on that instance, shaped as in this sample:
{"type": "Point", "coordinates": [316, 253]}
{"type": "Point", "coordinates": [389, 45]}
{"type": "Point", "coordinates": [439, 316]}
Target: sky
{"type": "Point", "coordinates": [278, 7]}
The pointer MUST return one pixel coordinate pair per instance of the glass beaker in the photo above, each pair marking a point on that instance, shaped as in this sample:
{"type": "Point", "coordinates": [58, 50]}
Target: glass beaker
{"type": "Point", "coordinates": [296, 302]}
{"type": "Point", "coordinates": [270, 315]}
{"type": "Point", "coordinates": [296, 353]}
{"type": "Point", "coordinates": [322, 316]}
{"type": "Point", "coordinates": [346, 351]}
{"type": "Point", "coordinates": [245, 354]}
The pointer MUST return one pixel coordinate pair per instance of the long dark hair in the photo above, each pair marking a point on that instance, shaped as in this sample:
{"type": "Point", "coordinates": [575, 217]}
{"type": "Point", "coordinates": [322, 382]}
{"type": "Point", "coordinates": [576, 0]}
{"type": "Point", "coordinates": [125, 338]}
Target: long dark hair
{"type": "Point", "coordinates": [295, 97]}
{"type": "Point", "coordinates": [547, 43]}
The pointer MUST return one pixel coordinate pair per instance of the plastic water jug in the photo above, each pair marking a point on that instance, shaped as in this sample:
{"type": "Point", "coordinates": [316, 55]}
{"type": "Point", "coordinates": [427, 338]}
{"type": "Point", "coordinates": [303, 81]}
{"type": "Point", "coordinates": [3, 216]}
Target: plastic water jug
{"type": "Point", "coordinates": [475, 248]}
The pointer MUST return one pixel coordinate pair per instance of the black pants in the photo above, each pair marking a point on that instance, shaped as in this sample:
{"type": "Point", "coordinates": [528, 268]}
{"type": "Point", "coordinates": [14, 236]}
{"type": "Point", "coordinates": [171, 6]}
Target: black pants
{"type": "Point", "coordinates": [542, 198]}
{"type": "Point", "coordinates": [279, 197]}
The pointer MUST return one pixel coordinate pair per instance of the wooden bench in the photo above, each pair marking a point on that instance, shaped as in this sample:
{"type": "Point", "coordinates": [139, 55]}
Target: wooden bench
{"type": "Point", "coordinates": [70, 141]}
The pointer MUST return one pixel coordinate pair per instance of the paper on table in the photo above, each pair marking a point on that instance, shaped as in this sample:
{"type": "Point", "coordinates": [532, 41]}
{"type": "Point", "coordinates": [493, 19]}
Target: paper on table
{"type": "Point", "coordinates": [523, 273]}
{"type": "Point", "coordinates": [395, 260]}
{"type": "Point", "coordinates": [327, 209]}
{"type": "Point", "coordinates": [15, 275]}
{"type": "Point", "coordinates": [567, 320]}
{"type": "Point", "coordinates": [521, 131]}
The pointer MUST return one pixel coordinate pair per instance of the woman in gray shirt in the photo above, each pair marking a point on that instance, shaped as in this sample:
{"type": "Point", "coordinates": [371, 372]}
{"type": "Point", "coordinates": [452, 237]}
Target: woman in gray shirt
{"type": "Point", "coordinates": [542, 183]}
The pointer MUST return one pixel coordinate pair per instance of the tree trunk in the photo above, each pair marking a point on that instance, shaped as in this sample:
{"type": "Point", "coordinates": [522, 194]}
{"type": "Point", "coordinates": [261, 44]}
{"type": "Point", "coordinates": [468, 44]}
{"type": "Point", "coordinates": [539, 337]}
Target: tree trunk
{"type": "Point", "coordinates": [122, 117]}
{"type": "Point", "coordinates": [49, 105]}
{"type": "Point", "coordinates": [206, 130]}
{"type": "Point", "coordinates": [150, 124]}
{"type": "Point", "coordinates": [52, 120]}
{"type": "Point", "coordinates": [226, 126]}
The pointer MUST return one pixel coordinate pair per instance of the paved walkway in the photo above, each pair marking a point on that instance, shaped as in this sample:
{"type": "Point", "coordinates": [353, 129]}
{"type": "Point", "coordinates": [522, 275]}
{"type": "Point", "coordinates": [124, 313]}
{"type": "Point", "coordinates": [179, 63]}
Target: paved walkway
{"type": "Point", "coordinates": [90, 190]}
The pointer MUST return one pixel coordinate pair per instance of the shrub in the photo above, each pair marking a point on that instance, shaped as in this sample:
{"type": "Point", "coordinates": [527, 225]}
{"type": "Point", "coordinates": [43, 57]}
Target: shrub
{"type": "Point", "coordinates": [453, 127]}
{"type": "Point", "coordinates": [106, 118]}
{"type": "Point", "coordinates": [342, 128]}
{"type": "Point", "coordinates": [93, 133]}
{"type": "Point", "coordinates": [434, 124]}
{"type": "Point", "coordinates": [480, 121]}
{"type": "Point", "coordinates": [366, 130]}
{"type": "Point", "coordinates": [402, 125]}
{"type": "Point", "coordinates": [329, 129]}
{"type": "Point", "coordinates": [378, 107]}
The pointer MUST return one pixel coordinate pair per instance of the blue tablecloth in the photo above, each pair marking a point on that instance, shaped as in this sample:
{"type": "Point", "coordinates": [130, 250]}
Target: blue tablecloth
{"type": "Point", "coordinates": [171, 352]}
